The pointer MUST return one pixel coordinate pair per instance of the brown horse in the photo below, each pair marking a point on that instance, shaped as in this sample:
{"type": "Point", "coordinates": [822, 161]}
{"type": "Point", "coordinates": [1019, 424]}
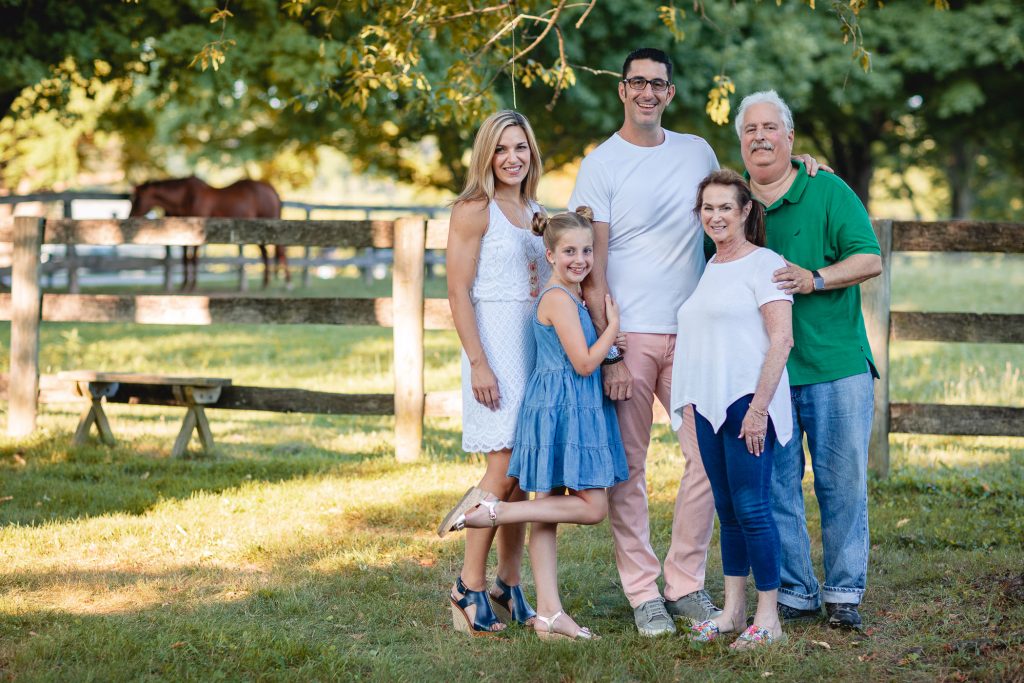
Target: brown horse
{"type": "Point", "coordinates": [191, 196]}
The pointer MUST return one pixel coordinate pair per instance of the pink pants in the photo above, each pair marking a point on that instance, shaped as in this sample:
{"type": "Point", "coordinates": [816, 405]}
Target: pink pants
{"type": "Point", "coordinates": [649, 359]}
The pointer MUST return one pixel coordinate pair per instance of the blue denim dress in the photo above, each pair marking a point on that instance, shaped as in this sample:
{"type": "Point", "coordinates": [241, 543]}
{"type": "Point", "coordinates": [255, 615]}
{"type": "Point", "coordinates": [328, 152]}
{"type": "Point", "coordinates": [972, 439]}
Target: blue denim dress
{"type": "Point", "coordinates": [567, 434]}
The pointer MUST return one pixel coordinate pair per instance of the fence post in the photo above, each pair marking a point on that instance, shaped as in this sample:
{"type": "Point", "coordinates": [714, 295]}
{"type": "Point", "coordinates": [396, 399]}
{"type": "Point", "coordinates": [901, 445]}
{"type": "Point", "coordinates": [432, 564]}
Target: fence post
{"type": "Point", "coordinates": [168, 269]}
{"type": "Point", "coordinates": [366, 270]}
{"type": "Point", "coordinates": [407, 302]}
{"type": "Point", "coordinates": [307, 254]}
{"type": "Point", "coordinates": [26, 310]}
{"type": "Point", "coordinates": [70, 255]}
{"type": "Point", "coordinates": [875, 297]}
{"type": "Point", "coordinates": [243, 279]}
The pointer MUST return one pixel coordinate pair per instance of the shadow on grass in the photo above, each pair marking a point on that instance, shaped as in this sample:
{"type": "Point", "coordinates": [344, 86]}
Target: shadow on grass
{"type": "Point", "coordinates": [977, 507]}
{"type": "Point", "coordinates": [308, 610]}
{"type": "Point", "coordinates": [362, 595]}
{"type": "Point", "coordinates": [50, 481]}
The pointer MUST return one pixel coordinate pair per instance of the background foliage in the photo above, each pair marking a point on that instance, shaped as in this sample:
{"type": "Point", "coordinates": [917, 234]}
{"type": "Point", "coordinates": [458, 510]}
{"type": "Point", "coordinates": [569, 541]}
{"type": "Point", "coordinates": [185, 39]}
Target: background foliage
{"type": "Point", "coordinates": [400, 86]}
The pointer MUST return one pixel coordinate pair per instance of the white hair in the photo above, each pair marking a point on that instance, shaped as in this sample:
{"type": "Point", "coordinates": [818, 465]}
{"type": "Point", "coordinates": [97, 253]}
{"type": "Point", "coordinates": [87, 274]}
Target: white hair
{"type": "Point", "coordinates": [771, 97]}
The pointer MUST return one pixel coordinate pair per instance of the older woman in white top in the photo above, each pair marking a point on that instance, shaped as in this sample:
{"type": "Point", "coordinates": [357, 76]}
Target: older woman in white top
{"type": "Point", "coordinates": [735, 333]}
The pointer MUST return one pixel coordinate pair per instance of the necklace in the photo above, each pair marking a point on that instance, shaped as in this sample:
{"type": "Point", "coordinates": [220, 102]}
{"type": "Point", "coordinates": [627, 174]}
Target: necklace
{"type": "Point", "coordinates": [782, 189]}
{"type": "Point", "coordinates": [517, 210]}
{"type": "Point", "coordinates": [738, 253]}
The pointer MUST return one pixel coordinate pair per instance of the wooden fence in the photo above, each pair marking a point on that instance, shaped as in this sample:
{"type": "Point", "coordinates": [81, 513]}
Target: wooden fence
{"type": "Point", "coordinates": [409, 313]}
{"type": "Point", "coordinates": [406, 311]}
{"type": "Point", "coordinates": [72, 262]}
{"type": "Point", "coordinates": [885, 325]}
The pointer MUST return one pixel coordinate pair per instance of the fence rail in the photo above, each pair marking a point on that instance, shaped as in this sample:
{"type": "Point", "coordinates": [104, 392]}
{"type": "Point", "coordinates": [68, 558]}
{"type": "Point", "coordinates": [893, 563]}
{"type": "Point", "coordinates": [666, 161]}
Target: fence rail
{"type": "Point", "coordinates": [268, 399]}
{"type": "Point", "coordinates": [72, 262]}
{"type": "Point", "coordinates": [884, 325]}
{"type": "Point", "coordinates": [408, 313]}
{"type": "Point", "coordinates": [67, 198]}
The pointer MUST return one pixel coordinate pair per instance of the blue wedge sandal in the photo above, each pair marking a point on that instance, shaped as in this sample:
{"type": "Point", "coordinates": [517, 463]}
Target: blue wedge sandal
{"type": "Point", "coordinates": [483, 620]}
{"type": "Point", "coordinates": [512, 604]}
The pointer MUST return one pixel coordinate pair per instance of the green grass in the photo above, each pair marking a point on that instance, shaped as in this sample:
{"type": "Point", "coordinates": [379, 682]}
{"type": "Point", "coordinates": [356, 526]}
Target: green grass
{"type": "Point", "coordinates": [302, 551]}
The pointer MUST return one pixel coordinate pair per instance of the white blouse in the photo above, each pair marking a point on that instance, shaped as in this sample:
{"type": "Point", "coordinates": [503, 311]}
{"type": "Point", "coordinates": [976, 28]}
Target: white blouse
{"type": "Point", "coordinates": [722, 341]}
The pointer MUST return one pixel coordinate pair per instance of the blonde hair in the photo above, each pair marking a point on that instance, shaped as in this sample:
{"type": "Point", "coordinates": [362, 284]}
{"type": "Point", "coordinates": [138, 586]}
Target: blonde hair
{"type": "Point", "coordinates": [552, 229]}
{"type": "Point", "coordinates": [480, 176]}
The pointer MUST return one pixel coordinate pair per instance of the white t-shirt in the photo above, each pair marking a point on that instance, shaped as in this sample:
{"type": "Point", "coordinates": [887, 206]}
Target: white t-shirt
{"type": "Point", "coordinates": [719, 359]}
{"type": "Point", "coordinates": [656, 244]}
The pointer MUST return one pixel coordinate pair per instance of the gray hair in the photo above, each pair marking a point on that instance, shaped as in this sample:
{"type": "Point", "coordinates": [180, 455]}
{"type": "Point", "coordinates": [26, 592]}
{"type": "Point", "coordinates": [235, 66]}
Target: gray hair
{"type": "Point", "coordinates": [771, 97]}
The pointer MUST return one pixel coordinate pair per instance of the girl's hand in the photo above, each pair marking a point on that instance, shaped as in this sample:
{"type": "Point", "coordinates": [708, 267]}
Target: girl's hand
{"type": "Point", "coordinates": [611, 311]}
{"type": "Point", "coordinates": [620, 341]}
{"type": "Point", "coordinates": [754, 429]}
{"type": "Point", "coordinates": [485, 385]}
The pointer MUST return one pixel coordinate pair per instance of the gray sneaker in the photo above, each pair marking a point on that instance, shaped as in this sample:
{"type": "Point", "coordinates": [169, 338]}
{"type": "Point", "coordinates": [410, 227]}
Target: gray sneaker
{"type": "Point", "coordinates": [652, 619]}
{"type": "Point", "coordinates": [695, 606]}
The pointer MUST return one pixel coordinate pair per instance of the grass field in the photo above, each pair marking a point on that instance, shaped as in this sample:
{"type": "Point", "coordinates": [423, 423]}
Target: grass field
{"type": "Point", "coordinates": [302, 551]}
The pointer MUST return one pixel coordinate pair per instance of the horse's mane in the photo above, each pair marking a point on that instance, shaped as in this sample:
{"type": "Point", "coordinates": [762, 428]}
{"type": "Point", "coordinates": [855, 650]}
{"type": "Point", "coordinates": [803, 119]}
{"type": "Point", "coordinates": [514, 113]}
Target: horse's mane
{"type": "Point", "coordinates": [166, 181]}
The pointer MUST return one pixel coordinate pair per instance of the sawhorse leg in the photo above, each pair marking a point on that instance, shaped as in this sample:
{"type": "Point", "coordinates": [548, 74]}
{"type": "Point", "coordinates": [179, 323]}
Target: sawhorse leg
{"type": "Point", "coordinates": [93, 414]}
{"type": "Point", "coordinates": [195, 418]}
{"type": "Point", "coordinates": [181, 443]}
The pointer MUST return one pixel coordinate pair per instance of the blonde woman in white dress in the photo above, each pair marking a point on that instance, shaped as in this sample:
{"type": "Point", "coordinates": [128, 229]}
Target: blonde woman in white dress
{"type": "Point", "coordinates": [495, 268]}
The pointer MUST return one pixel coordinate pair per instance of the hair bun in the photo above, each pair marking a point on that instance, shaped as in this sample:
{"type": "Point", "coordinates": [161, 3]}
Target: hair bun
{"type": "Point", "coordinates": [586, 212]}
{"type": "Point", "coordinates": [539, 223]}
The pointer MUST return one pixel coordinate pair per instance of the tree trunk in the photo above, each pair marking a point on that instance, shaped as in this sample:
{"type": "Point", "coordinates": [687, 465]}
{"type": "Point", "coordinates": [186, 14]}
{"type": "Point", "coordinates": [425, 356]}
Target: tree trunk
{"type": "Point", "coordinates": [958, 173]}
{"type": "Point", "coordinates": [853, 161]}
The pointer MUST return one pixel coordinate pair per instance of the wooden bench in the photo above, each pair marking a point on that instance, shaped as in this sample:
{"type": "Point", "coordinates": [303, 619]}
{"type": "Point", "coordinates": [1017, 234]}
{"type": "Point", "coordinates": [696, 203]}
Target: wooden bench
{"type": "Point", "coordinates": [191, 392]}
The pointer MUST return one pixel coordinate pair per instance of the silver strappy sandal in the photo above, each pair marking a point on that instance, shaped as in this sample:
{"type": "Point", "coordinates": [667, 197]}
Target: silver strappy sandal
{"type": "Point", "coordinates": [469, 501]}
{"type": "Point", "coordinates": [491, 505]}
{"type": "Point", "coordinates": [582, 634]}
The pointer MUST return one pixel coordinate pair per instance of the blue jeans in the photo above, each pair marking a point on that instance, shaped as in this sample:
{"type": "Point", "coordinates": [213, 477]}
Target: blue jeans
{"type": "Point", "coordinates": [836, 417]}
{"type": "Point", "coordinates": [741, 484]}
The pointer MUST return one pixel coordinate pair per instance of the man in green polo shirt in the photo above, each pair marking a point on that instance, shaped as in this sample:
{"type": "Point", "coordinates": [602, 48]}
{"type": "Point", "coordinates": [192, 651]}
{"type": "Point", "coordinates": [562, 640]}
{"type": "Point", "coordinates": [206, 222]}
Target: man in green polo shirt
{"type": "Point", "coordinates": [823, 231]}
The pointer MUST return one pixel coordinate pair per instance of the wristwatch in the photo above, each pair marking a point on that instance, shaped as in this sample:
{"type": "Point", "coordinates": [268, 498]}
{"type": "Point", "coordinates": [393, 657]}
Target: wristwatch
{"type": "Point", "coordinates": [613, 357]}
{"type": "Point", "coordinates": [819, 281]}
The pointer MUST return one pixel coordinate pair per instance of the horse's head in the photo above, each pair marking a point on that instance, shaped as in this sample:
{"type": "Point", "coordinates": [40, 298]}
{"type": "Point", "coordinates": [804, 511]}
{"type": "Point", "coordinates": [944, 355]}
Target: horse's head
{"type": "Point", "coordinates": [173, 196]}
{"type": "Point", "coordinates": [143, 200]}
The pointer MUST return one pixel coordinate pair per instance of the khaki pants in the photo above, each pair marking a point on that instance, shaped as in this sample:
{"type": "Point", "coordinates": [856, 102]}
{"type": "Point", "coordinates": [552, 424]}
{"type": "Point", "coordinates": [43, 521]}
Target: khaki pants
{"type": "Point", "coordinates": [649, 359]}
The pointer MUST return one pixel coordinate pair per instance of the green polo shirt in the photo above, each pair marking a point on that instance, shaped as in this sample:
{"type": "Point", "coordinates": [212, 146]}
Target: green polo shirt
{"type": "Point", "coordinates": [818, 222]}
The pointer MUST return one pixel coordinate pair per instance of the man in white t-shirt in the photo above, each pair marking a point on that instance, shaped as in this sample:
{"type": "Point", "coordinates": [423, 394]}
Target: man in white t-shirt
{"type": "Point", "coordinates": [648, 252]}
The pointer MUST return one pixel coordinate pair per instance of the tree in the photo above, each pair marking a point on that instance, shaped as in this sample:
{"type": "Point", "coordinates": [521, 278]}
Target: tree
{"type": "Point", "coordinates": [394, 84]}
{"type": "Point", "coordinates": [941, 84]}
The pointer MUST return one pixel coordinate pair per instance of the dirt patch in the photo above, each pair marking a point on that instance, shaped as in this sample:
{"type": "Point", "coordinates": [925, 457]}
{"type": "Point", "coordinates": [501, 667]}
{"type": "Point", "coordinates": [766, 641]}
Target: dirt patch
{"type": "Point", "coordinates": [1009, 588]}
{"type": "Point", "coordinates": [1012, 588]}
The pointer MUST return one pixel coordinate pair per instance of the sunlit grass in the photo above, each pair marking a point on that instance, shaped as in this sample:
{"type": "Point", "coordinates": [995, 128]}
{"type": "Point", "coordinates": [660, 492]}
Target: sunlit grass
{"type": "Point", "coordinates": [932, 372]}
{"type": "Point", "coordinates": [976, 283]}
{"type": "Point", "coordinates": [302, 551]}
{"type": "Point", "coordinates": [300, 559]}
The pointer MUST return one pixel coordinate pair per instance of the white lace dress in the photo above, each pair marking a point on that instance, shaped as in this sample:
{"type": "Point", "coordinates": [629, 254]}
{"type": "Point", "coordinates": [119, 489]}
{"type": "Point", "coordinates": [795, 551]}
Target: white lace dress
{"type": "Point", "coordinates": [509, 274]}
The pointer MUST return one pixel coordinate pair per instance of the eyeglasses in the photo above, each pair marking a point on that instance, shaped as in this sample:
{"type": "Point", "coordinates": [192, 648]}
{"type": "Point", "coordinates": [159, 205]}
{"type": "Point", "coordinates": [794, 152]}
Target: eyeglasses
{"type": "Point", "coordinates": [639, 83]}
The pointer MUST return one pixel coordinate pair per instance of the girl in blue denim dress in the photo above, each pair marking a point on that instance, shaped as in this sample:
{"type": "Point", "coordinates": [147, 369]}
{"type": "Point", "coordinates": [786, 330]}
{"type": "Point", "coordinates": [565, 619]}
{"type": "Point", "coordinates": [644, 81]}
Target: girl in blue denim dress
{"type": "Point", "coordinates": [568, 449]}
